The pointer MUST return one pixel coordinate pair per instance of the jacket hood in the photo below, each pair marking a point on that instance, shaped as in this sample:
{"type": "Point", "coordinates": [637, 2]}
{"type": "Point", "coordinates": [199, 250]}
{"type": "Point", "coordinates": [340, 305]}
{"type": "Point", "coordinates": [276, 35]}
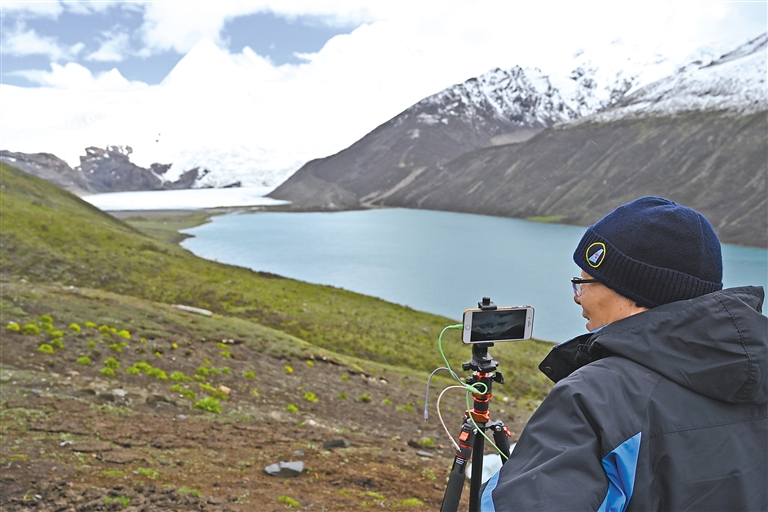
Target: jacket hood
{"type": "Point", "coordinates": [715, 345]}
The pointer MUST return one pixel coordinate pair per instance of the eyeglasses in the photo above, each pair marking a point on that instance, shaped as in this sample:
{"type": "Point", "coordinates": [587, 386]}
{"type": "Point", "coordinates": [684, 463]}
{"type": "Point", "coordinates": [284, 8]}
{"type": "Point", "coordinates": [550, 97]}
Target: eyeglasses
{"type": "Point", "coordinates": [576, 283]}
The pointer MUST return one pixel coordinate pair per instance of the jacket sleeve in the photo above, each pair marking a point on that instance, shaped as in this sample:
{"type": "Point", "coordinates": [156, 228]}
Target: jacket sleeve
{"type": "Point", "coordinates": [579, 450]}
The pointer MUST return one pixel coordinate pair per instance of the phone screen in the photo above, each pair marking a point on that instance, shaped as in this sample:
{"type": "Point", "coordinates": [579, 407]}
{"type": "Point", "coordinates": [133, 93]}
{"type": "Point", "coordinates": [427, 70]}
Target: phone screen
{"type": "Point", "coordinates": [497, 325]}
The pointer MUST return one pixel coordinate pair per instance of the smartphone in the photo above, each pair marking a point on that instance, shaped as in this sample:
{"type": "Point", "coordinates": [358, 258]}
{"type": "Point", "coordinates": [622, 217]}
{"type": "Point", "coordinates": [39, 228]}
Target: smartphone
{"type": "Point", "coordinates": [497, 325]}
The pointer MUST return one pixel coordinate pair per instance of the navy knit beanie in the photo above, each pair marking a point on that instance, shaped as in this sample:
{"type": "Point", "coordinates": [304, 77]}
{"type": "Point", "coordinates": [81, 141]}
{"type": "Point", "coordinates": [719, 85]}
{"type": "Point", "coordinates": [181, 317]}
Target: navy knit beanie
{"type": "Point", "coordinates": [653, 251]}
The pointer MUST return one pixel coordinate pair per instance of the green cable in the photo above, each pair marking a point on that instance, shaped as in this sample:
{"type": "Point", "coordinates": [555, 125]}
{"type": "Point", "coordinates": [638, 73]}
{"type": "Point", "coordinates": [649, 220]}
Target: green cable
{"type": "Point", "coordinates": [470, 388]}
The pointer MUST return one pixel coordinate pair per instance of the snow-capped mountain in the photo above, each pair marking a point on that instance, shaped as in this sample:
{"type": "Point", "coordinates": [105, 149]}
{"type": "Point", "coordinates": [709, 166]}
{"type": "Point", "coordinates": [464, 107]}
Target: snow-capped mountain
{"type": "Point", "coordinates": [513, 143]}
{"type": "Point", "coordinates": [231, 116]}
{"type": "Point", "coordinates": [735, 81]}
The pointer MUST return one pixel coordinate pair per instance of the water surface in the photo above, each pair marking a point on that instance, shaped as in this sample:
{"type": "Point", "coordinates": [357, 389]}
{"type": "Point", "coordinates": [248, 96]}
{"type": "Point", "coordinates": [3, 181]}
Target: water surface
{"type": "Point", "coordinates": [439, 262]}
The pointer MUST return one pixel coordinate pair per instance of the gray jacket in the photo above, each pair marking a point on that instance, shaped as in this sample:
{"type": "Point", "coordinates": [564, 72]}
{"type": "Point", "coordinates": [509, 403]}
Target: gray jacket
{"type": "Point", "coordinates": [664, 410]}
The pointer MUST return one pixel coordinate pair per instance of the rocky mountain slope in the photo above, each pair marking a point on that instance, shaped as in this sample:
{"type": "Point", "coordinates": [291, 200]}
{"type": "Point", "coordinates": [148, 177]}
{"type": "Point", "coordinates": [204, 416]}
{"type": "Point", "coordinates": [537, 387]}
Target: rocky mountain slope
{"type": "Point", "coordinates": [697, 136]}
{"type": "Point", "coordinates": [101, 170]}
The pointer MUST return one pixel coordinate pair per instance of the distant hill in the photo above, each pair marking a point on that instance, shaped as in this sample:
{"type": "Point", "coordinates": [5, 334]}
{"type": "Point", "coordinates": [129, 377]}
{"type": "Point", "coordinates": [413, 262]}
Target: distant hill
{"type": "Point", "coordinates": [100, 170]}
{"type": "Point", "coordinates": [697, 137]}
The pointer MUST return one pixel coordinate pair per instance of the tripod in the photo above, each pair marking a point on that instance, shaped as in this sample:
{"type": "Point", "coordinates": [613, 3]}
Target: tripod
{"type": "Point", "coordinates": [476, 420]}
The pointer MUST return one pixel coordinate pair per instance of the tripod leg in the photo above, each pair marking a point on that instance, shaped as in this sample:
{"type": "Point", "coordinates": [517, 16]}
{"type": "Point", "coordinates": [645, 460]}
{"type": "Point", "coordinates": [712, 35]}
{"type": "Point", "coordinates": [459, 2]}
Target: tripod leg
{"type": "Point", "coordinates": [477, 473]}
{"type": "Point", "coordinates": [457, 476]}
{"type": "Point", "coordinates": [501, 438]}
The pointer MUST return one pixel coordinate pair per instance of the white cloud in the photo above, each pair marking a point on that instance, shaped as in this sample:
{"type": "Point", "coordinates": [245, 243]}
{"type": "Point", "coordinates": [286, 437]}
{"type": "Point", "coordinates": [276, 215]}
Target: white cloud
{"type": "Point", "coordinates": [75, 77]}
{"type": "Point", "coordinates": [20, 42]}
{"type": "Point", "coordinates": [69, 76]}
{"type": "Point", "coordinates": [44, 9]}
{"type": "Point", "coordinates": [114, 48]}
{"type": "Point", "coordinates": [403, 52]}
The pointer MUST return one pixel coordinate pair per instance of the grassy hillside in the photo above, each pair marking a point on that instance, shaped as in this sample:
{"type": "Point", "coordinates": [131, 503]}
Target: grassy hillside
{"type": "Point", "coordinates": [49, 235]}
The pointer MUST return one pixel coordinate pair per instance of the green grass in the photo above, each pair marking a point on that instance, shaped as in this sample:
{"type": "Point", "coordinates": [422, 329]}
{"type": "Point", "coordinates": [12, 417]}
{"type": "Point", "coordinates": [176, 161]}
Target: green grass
{"type": "Point", "coordinates": [51, 236]}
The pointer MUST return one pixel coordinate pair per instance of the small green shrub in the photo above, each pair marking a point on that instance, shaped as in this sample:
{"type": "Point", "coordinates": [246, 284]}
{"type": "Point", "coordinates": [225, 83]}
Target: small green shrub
{"type": "Point", "coordinates": [310, 397]}
{"type": "Point", "coordinates": [187, 490]}
{"type": "Point", "coordinates": [104, 329]}
{"type": "Point", "coordinates": [405, 408]}
{"type": "Point", "coordinates": [91, 325]}
{"type": "Point", "coordinates": [226, 354]}
{"type": "Point", "coordinates": [124, 334]}
{"type": "Point", "coordinates": [56, 334]}
{"type": "Point", "coordinates": [291, 408]}
{"type": "Point", "coordinates": [179, 377]}
{"type": "Point", "coordinates": [149, 473]}
{"type": "Point", "coordinates": [115, 347]}
{"type": "Point", "coordinates": [310, 362]}
{"type": "Point", "coordinates": [202, 371]}
{"type": "Point", "coordinates": [176, 388]}
{"type": "Point", "coordinates": [222, 345]}
{"type": "Point", "coordinates": [91, 344]}
{"type": "Point", "coordinates": [345, 377]}
{"type": "Point", "coordinates": [427, 443]}
{"type": "Point", "coordinates": [57, 343]}
{"type": "Point", "coordinates": [249, 374]}
{"type": "Point", "coordinates": [122, 500]}
{"type": "Point", "coordinates": [288, 501]}
{"type": "Point", "coordinates": [143, 366]}
{"type": "Point", "coordinates": [386, 401]}
{"type": "Point", "coordinates": [208, 404]}
{"type": "Point", "coordinates": [225, 371]}
{"type": "Point", "coordinates": [109, 372]}
{"type": "Point", "coordinates": [74, 328]}
{"type": "Point", "coordinates": [111, 362]}
{"type": "Point", "coordinates": [13, 326]}
{"type": "Point", "coordinates": [343, 396]}
{"type": "Point", "coordinates": [157, 373]}
{"type": "Point", "coordinates": [45, 319]}
{"type": "Point", "coordinates": [365, 398]}
{"type": "Point", "coordinates": [30, 329]}
{"type": "Point", "coordinates": [412, 502]}
{"type": "Point", "coordinates": [84, 360]}
{"type": "Point", "coordinates": [255, 392]}
{"type": "Point", "coordinates": [132, 371]}
{"type": "Point", "coordinates": [45, 349]}
{"type": "Point", "coordinates": [289, 369]}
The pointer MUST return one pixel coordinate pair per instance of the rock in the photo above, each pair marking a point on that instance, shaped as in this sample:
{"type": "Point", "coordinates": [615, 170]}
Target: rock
{"type": "Point", "coordinates": [120, 456]}
{"type": "Point", "coordinates": [92, 447]}
{"type": "Point", "coordinates": [336, 443]}
{"type": "Point", "coordinates": [299, 454]}
{"type": "Point", "coordinates": [422, 453]}
{"type": "Point", "coordinates": [285, 469]}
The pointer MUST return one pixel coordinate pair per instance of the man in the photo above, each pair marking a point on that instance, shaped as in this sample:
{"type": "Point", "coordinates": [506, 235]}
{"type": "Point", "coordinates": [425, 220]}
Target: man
{"type": "Point", "coordinates": [664, 404]}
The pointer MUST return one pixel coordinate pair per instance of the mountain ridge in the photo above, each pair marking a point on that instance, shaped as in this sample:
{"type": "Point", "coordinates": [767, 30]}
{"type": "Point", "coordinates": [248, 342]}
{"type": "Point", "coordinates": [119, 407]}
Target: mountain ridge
{"type": "Point", "coordinates": [709, 128]}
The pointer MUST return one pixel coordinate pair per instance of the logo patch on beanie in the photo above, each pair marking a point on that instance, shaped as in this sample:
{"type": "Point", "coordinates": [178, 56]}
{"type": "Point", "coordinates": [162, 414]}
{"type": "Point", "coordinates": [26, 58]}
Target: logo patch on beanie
{"type": "Point", "coordinates": [596, 254]}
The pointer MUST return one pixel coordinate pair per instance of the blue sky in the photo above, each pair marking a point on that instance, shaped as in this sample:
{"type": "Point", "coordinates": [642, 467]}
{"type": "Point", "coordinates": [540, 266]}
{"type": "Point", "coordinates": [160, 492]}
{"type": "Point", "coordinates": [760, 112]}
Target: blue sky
{"type": "Point", "coordinates": [114, 35]}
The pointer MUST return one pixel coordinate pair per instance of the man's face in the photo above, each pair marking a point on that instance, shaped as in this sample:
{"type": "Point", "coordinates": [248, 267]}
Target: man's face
{"type": "Point", "coordinates": [600, 305]}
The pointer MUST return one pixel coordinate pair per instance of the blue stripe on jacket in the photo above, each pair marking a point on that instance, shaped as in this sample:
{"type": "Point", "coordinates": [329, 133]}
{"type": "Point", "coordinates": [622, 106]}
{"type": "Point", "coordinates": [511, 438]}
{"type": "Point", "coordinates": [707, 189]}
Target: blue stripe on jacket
{"type": "Point", "coordinates": [486, 500]}
{"type": "Point", "coordinates": [620, 467]}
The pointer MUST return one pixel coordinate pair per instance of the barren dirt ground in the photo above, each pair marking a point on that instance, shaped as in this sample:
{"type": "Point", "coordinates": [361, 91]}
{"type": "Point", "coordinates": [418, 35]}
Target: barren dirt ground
{"type": "Point", "coordinates": [76, 439]}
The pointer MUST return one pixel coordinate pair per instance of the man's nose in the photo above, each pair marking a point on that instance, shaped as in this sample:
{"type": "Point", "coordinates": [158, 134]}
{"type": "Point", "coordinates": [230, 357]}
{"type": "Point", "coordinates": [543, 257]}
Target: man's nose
{"type": "Point", "coordinates": [577, 299]}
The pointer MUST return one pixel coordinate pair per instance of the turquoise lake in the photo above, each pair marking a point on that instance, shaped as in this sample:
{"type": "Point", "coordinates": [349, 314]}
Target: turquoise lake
{"type": "Point", "coordinates": [439, 262]}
